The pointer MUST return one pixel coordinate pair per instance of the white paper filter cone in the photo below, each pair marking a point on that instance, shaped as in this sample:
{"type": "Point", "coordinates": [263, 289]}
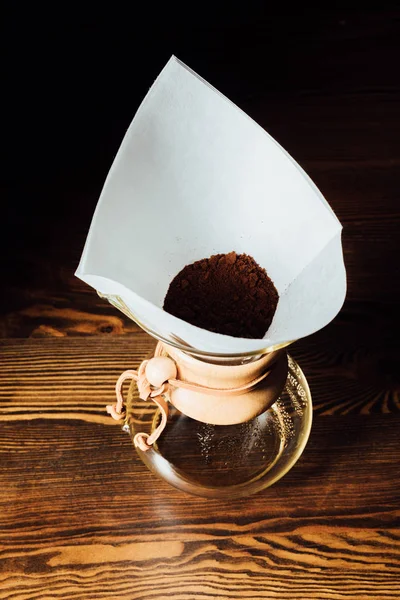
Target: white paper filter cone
{"type": "Point", "coordinates": [195, 176]}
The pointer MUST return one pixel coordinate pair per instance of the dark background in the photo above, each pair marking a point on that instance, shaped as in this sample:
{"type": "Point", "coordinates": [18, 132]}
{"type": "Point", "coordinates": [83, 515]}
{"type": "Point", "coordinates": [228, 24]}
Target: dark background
{"type": "Point", "coordinates": [74, 79]}
{"type": "Point", "coordinates": [323, 82]}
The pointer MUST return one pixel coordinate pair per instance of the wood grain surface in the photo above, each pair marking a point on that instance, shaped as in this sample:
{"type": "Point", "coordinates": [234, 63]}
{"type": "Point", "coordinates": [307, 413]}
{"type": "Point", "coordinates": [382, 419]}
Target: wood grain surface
{"type": "Point", "coordinates": [87, 520]}
{"type": "Point", "coordinates": [80, 515]}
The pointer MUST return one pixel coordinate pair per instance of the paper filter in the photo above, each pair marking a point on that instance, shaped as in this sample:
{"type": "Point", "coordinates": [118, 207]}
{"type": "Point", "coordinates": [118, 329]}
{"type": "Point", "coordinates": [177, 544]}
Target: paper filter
{"type": "Point", "coordinates": [195, 176]}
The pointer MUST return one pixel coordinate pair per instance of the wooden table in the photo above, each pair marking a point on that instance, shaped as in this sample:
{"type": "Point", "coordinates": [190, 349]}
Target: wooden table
{"type": "Point", "coordinates": [80, 515]}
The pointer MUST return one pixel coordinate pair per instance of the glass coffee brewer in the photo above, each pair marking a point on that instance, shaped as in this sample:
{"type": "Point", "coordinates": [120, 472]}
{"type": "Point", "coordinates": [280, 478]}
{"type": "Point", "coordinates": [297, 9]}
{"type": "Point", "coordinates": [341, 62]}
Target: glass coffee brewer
{"type": "Point", "coordinates": [212, 414]}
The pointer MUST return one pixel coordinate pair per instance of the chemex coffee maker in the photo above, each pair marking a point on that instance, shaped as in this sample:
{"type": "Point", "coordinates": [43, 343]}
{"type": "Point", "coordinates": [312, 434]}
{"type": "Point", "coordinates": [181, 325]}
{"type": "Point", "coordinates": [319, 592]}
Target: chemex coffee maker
{"type": "Point", "coordinates": [214, 415]}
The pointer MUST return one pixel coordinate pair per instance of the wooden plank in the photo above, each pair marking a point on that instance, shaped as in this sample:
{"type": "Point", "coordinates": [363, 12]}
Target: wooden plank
{"type": "Point", "coordinates": [50, 376]}
{"type": "Point", "coordinates": [88, 519]}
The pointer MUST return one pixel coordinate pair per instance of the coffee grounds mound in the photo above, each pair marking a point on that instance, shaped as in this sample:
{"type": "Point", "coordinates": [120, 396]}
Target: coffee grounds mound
{"type": "Point", "coordinates": [226, 293]}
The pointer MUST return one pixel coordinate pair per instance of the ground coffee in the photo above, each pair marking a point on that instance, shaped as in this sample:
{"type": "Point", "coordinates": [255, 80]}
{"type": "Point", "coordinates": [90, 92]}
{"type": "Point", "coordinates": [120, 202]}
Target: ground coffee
{"type": "Point", "coordinates": [226, 293]}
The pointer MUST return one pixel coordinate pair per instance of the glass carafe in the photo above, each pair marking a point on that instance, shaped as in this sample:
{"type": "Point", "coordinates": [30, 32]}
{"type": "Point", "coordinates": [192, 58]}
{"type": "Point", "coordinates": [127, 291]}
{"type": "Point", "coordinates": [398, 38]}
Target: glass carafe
{"type": "Point", "coordinates": [227, 460]}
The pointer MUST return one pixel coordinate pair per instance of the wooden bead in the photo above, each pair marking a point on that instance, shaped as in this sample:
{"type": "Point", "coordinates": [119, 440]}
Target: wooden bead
{"type": "Point", "coordinates": [159, 369]}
